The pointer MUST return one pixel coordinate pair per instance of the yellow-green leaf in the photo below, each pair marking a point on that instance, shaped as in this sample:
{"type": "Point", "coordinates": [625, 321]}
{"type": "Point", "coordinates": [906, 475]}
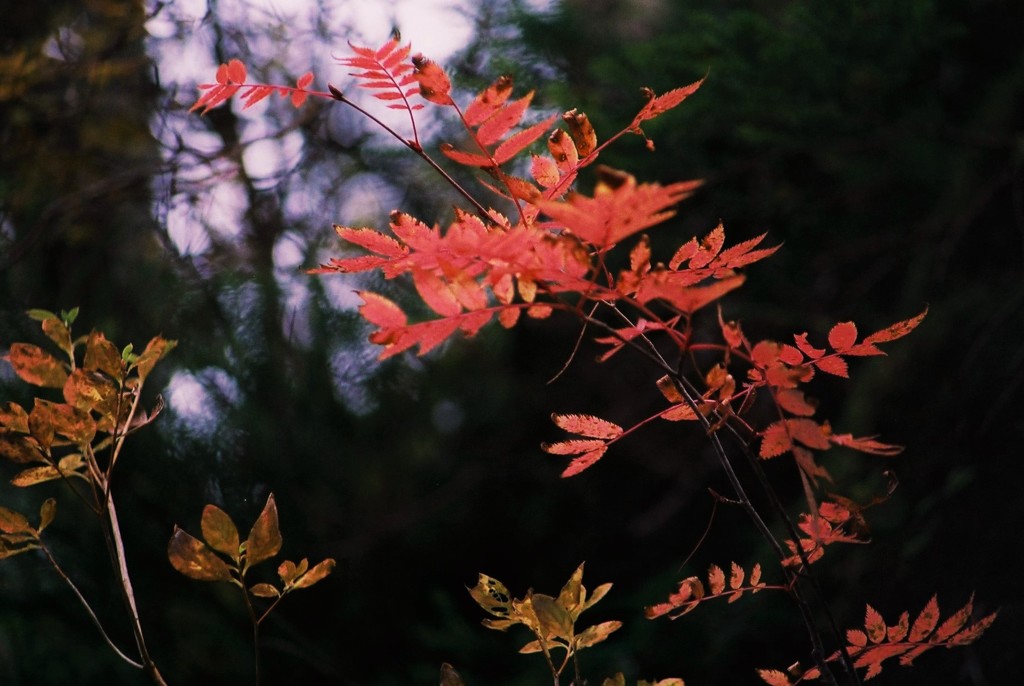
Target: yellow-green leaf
{"type": "Point", "coordinates": [596, 596]}
{"type": "Point", "coordinates": [220, 532]}
{"type": "Point", "coordinates": [264, 539]}
{"type": "Point", "coordinates": [36, 366]}
{"type": "Point", "coordinates": [554, 619]}
{"type": "Point", "coordinates": [617, 680]}
{"type": "Point", "coordinates": [194, 559]}
{"type": "Point", "coordinates": [492, 596]}
{"type": "Point", "coordinates": [571, 596]}
{"type": "Point", "coordinates": [35, 475]}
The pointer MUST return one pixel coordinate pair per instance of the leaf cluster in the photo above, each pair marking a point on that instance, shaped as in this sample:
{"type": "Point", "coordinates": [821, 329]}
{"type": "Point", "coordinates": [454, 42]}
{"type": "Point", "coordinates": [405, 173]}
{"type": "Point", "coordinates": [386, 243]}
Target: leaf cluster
{"type": "Point", "coordinates": [223, 556]}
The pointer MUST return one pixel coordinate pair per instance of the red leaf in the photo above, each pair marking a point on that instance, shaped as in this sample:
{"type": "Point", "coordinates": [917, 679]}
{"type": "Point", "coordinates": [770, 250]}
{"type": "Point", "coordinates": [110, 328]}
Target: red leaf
{"type": "Point", "coordinates": [874, 624]}
{"type": "Point", "coordinates": [842, 336]}
{"type": "Point", "coordinates": [926, 621]}
{"type": "Point", "coordinates": [469, 159]}
{"type": "Point", "coordinates": [834, 365]}
{"type": "Point", "coordinates": [436, 293]}
{"type": "Point", "coordinates": [794, 402]}
{"type": "Point", "coordinates": [806, 348]}
{"type": "Point", "coordinates": [519, 141]}
{"type": "Point", "coordinates": [502, 120]}
{"type": "Point", "coordinates": [775, 441]}
{"type": "Point", "coordinates": [488, 101]}
{"type": "Point", "coordinates": [434, 83]}
{"type": "Point", "coordinates": [380, 311]}
{"type": "Point", "coordinates": [866, 445]}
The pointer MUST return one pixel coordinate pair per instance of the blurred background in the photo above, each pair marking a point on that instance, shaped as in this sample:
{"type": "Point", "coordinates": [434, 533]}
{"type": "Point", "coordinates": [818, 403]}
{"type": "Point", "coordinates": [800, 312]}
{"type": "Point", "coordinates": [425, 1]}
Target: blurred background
{"type": "Point", "coordinates": [881, 143]}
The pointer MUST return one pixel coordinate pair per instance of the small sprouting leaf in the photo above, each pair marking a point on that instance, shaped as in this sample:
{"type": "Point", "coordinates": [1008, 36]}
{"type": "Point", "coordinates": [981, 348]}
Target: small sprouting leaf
{"type": "Point", "coordinates": [264, 591]}
{"type": "Point", "coordinates": [220, 532]}
{"type": "Point", "coordinates": [264, 539]}
{"type": "Point", "coordinates": [595, 634]}
{"type": "Point", "coordinates": [587, 425]}
{"type": "Point", "coordinates": [194, 559]}
{"type": "Point", "coordinates": [36, 366]}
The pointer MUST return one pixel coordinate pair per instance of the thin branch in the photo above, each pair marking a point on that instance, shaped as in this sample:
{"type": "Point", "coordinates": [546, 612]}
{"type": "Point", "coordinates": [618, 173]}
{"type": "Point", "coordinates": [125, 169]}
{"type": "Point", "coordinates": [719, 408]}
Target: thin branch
{"type": "Point", "coordinates": [88, 608]}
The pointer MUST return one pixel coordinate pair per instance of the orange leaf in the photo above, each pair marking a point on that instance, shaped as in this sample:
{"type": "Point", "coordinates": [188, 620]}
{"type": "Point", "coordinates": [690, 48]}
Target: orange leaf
{"type": "Point", "coordinates": [774, 677]}
{"type": "Point", "coordinates": [587, 425]}
{"type": "Point", "coordinates": [219, 531]}
{"type": "Point", "coordinates": [36, 366]}
{"type": "Point", "coordinates": [897, 330]}
{"type": "Point", "coordinates": [194, 559]}
{"type": "Point", "coordinates": [317, 573]}
{"type": "Point", "coordinates": [663, 103]}
{"type": "Point", "coordinates": [572, 447]}
{"type": "Point", "coordinates": [716, 579]}
{"type": "Point", "coordinates": [264, 539]}
{"type": "Point", "coordinates": [583, 462]}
